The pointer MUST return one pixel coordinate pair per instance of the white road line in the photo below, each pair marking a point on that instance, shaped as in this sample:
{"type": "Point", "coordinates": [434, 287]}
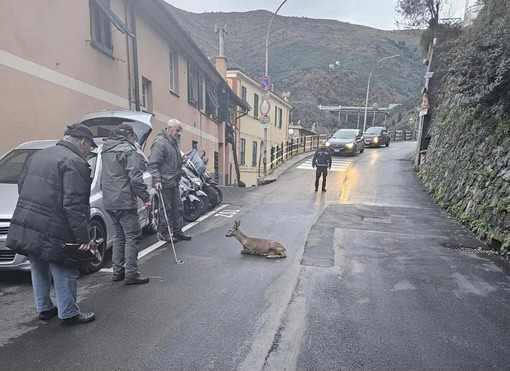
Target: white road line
{"type": "Point", "coordinates": [157, 244]}
{"type": "Point", "coordinates": [337, 164]}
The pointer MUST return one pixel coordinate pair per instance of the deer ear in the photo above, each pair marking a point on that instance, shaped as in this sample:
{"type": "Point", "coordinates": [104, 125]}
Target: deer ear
{"type": "Point", "coordinates": [238, 223]}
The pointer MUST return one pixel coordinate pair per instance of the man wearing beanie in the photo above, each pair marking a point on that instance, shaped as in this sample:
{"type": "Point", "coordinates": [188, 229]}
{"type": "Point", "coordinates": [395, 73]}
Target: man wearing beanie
{"type": "Point", "coordinates": [121, 183]}
{"type": "Point", "coordinates": [53, 209]}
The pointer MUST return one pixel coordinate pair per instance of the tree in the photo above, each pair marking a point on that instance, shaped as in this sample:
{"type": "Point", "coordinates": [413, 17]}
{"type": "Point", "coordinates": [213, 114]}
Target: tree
{"type": "Point", "coordinates": [420, 13]}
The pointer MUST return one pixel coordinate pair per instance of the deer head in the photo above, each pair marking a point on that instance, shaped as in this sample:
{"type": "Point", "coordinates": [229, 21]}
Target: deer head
{"type": "Point", "coordinates": [232, 230]}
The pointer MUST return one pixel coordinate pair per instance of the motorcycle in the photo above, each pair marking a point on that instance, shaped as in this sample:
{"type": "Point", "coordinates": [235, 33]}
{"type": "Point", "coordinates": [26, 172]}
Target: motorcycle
{"type": "Point", "coordinates": [196, 183]}
{"type": "Point", "coordinates": [196, 166]}
{"type": "Point", "coordinates": [192, 204]}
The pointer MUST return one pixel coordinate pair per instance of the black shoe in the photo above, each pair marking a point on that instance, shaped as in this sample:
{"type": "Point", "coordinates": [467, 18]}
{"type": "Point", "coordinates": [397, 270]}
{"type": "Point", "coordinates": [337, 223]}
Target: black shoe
{"type": "Point", "coordinates": [48, 314]}
{"type": "Point", "coordinates": [182, 236]}
{"type": "Point", "coordinates": [118, 277]}
{"type": "Point", "coordinates": [140, 280]}
{"type": "Point", "coordinates": [323, 189]}
{"type": "Point", "coordinates": [79, 319]}
{"type": "Point", "coordinates": [166, 237]}
{"type": "Point", "coordinates": [316, 189]}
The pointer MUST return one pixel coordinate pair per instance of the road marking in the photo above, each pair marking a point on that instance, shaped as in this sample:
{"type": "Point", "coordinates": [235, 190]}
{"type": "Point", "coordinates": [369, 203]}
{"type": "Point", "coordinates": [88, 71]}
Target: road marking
{"type": "Point", "coordinates": [227, 213]}
{"type": "Point", "coordinates": [337, 164]}
{"type": "Point", "coordinates": [157, 244]}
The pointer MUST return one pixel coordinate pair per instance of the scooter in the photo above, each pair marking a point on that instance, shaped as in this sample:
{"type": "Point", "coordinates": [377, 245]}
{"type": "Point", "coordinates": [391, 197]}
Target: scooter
{"type": "Point", "coordinates": [192, 204]}
{"type": "Point", "coordinates": [196, 183]}
{"type": "Point", "coordinates": [196, 166]}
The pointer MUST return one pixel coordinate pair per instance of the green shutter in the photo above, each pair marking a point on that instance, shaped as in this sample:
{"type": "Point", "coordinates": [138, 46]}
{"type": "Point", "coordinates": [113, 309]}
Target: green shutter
{"type": "Point", "coordinates": [223, 114]}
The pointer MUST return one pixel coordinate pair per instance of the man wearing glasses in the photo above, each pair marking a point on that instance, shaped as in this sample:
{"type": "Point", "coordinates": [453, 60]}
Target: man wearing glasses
{"type": "Point", "coordinates": [121, 183]}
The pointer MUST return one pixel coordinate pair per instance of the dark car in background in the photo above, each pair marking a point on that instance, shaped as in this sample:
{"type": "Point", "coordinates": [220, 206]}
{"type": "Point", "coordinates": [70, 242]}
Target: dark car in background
{"type": "Point", "coordinates": [376, 136]}
{"type": "Point", "coordinates": [346, 142]}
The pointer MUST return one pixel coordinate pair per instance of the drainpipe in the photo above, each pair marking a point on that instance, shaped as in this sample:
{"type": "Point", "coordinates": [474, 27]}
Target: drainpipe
{"type": "Point", "coordinates": [135, 59]}
{"type": "Point", "coordinates": [128, 6]}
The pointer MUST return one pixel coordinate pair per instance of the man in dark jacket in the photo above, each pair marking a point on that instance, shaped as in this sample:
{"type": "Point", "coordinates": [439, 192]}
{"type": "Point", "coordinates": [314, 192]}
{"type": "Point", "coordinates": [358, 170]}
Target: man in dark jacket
{"type": "Point", "coordinates": [53, 209]}
{"type": "Point", "coordinates": [121, 183]}
{"type": "Point", "coordinates": [321, 159]}
{"type": "Point", "coordinates": [165, 163]}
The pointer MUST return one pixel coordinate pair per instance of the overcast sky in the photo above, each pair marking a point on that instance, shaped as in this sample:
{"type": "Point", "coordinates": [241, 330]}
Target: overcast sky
{"type": "Point", "coordinates": [373, 13]}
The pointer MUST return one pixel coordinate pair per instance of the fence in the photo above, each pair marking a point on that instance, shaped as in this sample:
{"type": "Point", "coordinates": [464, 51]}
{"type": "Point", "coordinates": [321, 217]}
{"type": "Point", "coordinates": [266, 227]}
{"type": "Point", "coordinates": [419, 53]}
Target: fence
{"type": "Point", "coordinates": [286, 149]}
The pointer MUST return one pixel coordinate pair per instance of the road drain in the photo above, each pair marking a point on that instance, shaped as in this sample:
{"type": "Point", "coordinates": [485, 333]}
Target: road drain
{"type": "Point", "coordinates": [376, 220]}
{"type": "Point", "coordinates": [470, 249]}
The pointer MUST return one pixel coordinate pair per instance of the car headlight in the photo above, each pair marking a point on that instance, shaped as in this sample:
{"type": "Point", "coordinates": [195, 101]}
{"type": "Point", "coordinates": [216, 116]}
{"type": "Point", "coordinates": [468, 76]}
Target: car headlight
{"type": "Point", "coordinates": [376, 140]}
{"type": "Point", "coordinates": [349, 145]}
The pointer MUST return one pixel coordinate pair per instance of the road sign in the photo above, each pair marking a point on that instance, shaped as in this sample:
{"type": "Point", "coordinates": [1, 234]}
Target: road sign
{"type": "Point", "coordinates": [264, 96]}
{"type": "Point", "coordinates": [265, 83]}
{"type": "Point", "coordinates": [265, 108]}
{"type": "Point", "coordinates": [264, 120]}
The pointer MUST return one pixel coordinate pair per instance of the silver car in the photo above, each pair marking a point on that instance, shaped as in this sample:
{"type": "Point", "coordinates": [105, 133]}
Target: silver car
{"type": "Point", "coordinates": [11, 165]}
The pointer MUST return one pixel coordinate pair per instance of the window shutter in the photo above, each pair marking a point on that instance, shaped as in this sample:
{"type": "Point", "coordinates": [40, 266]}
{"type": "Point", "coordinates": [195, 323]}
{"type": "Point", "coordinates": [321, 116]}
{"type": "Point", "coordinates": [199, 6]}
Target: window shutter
{"type": "Point", "coordinates": [223, 114]}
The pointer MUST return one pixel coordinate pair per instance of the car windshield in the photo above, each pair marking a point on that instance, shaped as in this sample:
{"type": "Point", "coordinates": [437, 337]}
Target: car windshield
{"type": "Point", "coordinates": [102, 126]}
{"type": "Point", "coordinates": [345, 134]}
{"type": "Point", "coordinates": [373, 130]}
{"type": "Point", "coordinates": [12, 164]}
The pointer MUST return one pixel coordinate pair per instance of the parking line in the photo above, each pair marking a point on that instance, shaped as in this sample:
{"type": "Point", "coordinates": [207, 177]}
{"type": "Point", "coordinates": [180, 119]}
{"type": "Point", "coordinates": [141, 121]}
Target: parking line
{"type": "Point", "coordinates": [157, 244]}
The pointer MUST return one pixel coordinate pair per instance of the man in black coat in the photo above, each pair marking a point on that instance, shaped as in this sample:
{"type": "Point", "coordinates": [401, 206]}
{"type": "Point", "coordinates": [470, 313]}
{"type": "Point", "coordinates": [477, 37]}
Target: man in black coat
{"type": "Point", "coordinates": [53, 209]}
{"type": "Point", "coordinates": [321, 160]}
{"type": "Point", "coordinates": [121, 183]}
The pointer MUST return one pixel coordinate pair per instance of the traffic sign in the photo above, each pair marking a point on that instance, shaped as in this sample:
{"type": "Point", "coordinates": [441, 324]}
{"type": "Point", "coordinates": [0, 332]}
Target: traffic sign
{"type": "Point", "coordinates": [264, 120]}
{"type": "Point", "coordinates": [265, 108]}
{"type": "Point", "coordinates": [265, 83]}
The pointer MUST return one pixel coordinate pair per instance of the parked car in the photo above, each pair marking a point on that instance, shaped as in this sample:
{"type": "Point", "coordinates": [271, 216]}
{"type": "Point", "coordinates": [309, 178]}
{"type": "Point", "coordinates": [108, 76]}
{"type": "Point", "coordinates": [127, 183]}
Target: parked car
{"type": "Point", "coordinates": [347, 141]}
{"type": "Point", "coordinates": [376, 136]}
{"type": "Point", "coordinates": [11, 165]}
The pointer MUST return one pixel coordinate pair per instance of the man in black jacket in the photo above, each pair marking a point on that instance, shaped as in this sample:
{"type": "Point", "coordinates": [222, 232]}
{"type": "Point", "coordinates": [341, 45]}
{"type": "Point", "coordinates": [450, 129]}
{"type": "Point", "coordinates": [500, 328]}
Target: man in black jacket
{"type": "Point", "coordinates": [321, 159]}
{"type": "Point", "coordinates": [165, 166]}
{"type": "Point", "coordinates": [121, 183]}
{"type": "Point", "coordinates": [53, 209]}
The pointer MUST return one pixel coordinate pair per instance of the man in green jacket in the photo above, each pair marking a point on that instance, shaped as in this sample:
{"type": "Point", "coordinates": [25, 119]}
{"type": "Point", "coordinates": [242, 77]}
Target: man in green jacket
{"type": "Point", "coordinates": [121, 183]}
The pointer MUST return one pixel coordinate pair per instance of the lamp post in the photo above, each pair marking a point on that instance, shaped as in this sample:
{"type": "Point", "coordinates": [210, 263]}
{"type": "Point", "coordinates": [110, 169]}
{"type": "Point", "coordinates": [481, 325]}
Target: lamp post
{"type": "Point", "coordinates": [368, 88]}
{"type": "Point", "coordinates": [265, 74]}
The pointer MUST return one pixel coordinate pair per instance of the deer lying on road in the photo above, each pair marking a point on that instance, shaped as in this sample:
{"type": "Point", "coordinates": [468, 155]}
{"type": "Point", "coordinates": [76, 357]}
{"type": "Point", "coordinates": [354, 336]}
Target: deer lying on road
{"type": "Point", "coordinates": [257, 246]}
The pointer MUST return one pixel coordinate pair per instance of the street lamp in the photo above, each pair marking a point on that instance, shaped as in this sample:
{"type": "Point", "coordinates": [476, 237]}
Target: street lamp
{"type": "Point", "coordinates": [368, 87]}
{"type": "Point", "coordinates": [265, 74]}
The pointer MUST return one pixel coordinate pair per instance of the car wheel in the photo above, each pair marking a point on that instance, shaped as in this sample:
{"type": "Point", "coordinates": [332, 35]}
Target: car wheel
{"type": "Point", "coordinates": [101, 241]}
{"type": "Point", "coordinates": [362, 150]}
{"type": "Point", "coordinates": [388, 143]}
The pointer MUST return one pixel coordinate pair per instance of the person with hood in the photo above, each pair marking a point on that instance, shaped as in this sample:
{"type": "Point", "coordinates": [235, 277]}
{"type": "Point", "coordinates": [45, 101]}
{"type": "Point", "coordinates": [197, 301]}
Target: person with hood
{"type": "Point", "coordinates": [321, 160]}
{"type": "Point", "coordinates": [53, 209]}
{"type": "Point", "coordinates": [165, 163]}
{"type": "Point", "coordinates": [121, 183]}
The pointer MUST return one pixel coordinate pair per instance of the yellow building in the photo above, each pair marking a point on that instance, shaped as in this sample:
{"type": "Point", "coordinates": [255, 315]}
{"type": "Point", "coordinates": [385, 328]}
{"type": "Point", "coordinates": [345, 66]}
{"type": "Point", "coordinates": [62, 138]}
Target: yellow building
{"type": "Point", "coordinates": [250, 132]}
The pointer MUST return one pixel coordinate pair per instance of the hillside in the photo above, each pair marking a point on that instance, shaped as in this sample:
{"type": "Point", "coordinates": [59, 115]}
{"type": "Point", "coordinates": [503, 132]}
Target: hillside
{"type": "Point", "coordinates": [300, 51]}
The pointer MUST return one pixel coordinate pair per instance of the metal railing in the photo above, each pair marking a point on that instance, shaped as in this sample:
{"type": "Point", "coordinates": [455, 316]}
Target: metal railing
{"type": "Point", "coordinates": [287, 149]}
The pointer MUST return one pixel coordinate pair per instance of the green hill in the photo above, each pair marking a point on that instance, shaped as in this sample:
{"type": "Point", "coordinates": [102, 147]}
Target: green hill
{"type": "Point", "coordinates": [300, 52]}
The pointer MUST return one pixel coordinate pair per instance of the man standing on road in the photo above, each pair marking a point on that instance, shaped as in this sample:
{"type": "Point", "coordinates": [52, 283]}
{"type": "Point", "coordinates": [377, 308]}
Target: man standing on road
{"type": "Point", "coordinates": [321, 159]}
{"type": "Point", "coordinates": [53, 209]}
{"type": "Point", "coordinates": [121, 183]}
{"type": "Point", "coordinates": [165, 163]}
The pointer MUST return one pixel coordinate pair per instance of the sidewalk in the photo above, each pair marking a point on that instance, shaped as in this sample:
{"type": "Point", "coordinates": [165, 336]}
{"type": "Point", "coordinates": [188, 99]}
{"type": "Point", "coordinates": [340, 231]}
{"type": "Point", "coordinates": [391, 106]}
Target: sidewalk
{"type": "Point", "coordinates": [275, 173]}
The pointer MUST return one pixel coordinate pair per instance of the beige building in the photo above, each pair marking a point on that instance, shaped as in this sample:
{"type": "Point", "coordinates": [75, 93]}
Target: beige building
{"type": "Point", "coordinates": [250, 132]}
{"type": "Point", "coordinates": [61, 59]}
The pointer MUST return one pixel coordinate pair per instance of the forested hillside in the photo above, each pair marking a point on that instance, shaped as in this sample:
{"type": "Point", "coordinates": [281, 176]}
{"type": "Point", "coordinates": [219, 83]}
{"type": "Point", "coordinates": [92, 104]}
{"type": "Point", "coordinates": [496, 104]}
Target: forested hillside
{"type": "Point", "coordinates": [300, 52]}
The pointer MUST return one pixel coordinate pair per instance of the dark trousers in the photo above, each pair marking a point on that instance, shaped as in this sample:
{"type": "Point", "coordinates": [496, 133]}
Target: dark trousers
{"type": "Point", "coordinates": [174, 209]}
{"type": "Point", "coordinates": [126, 242]}
{"type": "Point", "coordinates": [321, 171]}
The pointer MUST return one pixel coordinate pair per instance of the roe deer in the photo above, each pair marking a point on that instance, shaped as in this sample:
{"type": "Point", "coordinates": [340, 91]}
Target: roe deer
{"type": "Point", "coordinates": [257, 246]}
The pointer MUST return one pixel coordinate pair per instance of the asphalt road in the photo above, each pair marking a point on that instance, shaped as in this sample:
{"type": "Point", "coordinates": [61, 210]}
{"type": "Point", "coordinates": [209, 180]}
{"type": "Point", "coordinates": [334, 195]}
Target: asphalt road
{"type": "Point", "coordinates": [376, 278]}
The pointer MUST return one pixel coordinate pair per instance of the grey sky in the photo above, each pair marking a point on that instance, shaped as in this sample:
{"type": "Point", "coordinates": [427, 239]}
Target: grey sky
{"type": "Point", "coordinates": [373, 13]}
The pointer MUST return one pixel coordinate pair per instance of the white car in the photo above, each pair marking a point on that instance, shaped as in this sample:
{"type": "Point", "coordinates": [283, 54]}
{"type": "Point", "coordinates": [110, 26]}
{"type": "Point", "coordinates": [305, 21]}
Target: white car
{"type": "Point", "coordinates": [11, 165]}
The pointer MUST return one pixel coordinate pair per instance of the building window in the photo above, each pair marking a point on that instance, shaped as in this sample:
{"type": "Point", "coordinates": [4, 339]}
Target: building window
{"type": "Point", "coordinates": [147, 94]}
{"type": "Point", "coordinates": [255, 105]}
{"type": "Point", "coordinates": [242, 152]}
{"type": "Point", "coordinates": [194, 145]}
{"type": "Point", "coordinates": [216, 166]}
{"type": "Point", "coordinates": [254, 154]}
{"type": "Point", "coordinates": [211, 99]}
{"type": "Point", "coordinates": [173, 71]}
{"type": "Point", "coordinates": [275, 115]}
{"type": "Point", "coordinates": [194, 85]}
{"type": "Point", "coordinates": [280, 117]}
{"type": "Point", "coordinates": [100, 27]}
{"type": "Point", "coordinates": [243, 92]}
